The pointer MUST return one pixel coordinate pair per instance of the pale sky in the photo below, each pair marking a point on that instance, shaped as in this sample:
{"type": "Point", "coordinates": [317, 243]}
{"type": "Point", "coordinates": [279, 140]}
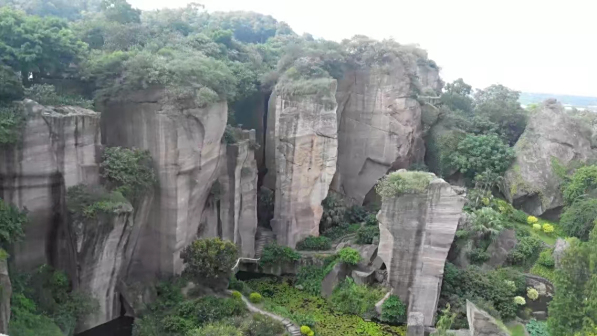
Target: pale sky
{"type": "Point", "coordinates": [542, 46]}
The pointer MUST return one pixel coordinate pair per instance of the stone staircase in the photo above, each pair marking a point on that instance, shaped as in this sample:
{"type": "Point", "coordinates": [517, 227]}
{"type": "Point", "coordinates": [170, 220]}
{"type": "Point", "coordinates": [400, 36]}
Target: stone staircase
{"type": "Point", "coordinates": [262, 238]}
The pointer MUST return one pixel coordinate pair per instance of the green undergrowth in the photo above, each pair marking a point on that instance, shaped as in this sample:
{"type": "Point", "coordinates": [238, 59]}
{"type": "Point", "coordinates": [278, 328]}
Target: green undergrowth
{"type": "Point", "coordinates": [547, 238]}
{"type": "Point", "coordinates": [88, 202]}
{"type": "Point", "coordinates": [517, 330]}
{"type": "Point", "coordinates": [403, 182]}
{"type": "Point", "coordinates": [304, 308]}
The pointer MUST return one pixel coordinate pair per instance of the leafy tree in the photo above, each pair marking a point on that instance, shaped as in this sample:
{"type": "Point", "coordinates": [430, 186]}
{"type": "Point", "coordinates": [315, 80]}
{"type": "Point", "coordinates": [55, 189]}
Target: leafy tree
{"type": "Point", "coordinates": [481, 153]}
{"type": "Point", "coordinates": [457, 97]}
{"type": "Point", "coordinates": [37, 46]}
{"type": "Point", "coordinates": [120, 11]}
{"type": "Point", "coordinates": [209, 260]}
{"type": "Point", "coordinates": [349, 255]}
{"type": "Point", "coordinates": [11, 122]}
{"type": "Point", "coordinates": [12, 88]}
{"type": "Point", "coordinates": [128, 171]}
{"type": "Point", "coordinates": [582, 183]}
{"type": "Point", "coordinates": [579, 218]}
{"type": "Point", "coordinates": [12, 221]}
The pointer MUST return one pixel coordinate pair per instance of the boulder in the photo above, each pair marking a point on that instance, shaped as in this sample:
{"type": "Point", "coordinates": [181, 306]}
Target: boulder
{"type": "Point", "coordinates": [552, 136]}
{"type": "Point", "coordinates": [60, 147]}
{"type": "Point", "coordinates": [416, 232]}
{"type": "Point", "coordinates": [5, 295]}
{"type": "Point", "coordinates": [332, 279]}
{"type": "Point", "coordinates": [500, 247]}
{"type": "Point", "coordinates": [363, 277]}
{"type": "Point", "coordinates": [301, 152]}
{"type": "Point", "coordinates": [546, 292]}
{"type": "Point", "coordinates": [559, 250]}
{"type": "Point", "coordinates": [184, 140]}
{"type": "Point", "coordinates": [379, 126]}
{"type": "Point", "coordinates": [481, 323]}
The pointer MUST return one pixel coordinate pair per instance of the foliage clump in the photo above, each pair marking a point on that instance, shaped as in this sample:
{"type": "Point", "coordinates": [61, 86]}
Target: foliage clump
{"type": "Point", "coordinates": [367, 234]}
{"type": "Point", "coordinates": [350, 298]}
{"type": "Point", "coordinates": [349, 255]}
{"type": "Point", "coordinates": [273, 254]}
{"type": "Point", "coordinates": [393, 310]}
{"type": "Point", "coordinates": [46, 94]}
{"type": "Point", "coordinates": [209, 261]}
{"type": "Point", "coordinates": [255, 298]}
{"type": "Point", "coordinates": [402, 182]}
{"type": "Point", "coordinates": [87, 202]}
{"type": "Point", "coordinates": [12, 221]}
{"type": "Point", "coordinates": [311, 243]}
{"type": "Point", "coordinates": [579, 218]}
{"type": "Point", "coordinates": [481, 153]}
{"type": "Point", "coordinates": [582, 183]}
{"type": "Point", "coordinates": [12, 121]}
{"type": "Point", "coordinates": [128, 171]}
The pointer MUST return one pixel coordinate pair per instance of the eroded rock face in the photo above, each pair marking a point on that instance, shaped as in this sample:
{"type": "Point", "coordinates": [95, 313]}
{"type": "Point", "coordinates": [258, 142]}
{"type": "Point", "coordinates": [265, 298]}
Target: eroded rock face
{"type": "Point", "coordinates": [184, 141]}
{"type": "Point", "coordinates": [100, 245]}
{"type": "Point", "coordinates": [60, 147]}
{"type": "Point", "coordinates": [551, 134]}
{"type": "Point", "coordinates": [481, 323]}
{"type": "Point", "coordinates": [5, 295]}
{"type": "Point", "coordinates": [379, 127]}
{"type": "Point", "coordinates": [416, 231]}
{"type": "Point", "coordinates": [301, 153]}
{"type": "Point", "coordinates": [559, 250]}
{"type": "Point", "coordinates": [500, 247]}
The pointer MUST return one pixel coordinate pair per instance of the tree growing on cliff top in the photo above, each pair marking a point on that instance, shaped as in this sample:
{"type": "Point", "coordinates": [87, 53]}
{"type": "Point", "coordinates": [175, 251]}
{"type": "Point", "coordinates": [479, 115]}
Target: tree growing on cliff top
{"type": "Point", "coordinates": [209, 261]}
{"type": "Point", "coordinates": [12, 221]}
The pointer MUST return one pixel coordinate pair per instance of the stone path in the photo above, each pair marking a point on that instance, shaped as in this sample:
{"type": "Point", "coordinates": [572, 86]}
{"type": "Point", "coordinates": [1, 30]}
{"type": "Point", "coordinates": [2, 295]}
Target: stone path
{"type": "Point", "coordinates": [290, 327]}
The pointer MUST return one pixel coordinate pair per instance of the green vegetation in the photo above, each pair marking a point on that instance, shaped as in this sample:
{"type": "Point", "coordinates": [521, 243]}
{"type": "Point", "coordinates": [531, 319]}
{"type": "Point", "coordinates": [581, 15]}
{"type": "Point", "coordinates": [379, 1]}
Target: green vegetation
{"type": "Point", "coordinates": [517, 330]}
{"type": "Point", "coordinates": [209, 261]}
{"type": "Point", "coordinates": [310, 277]}
{"type": "Point", "coordinates": [393, 310]}
{"type": "Point", "coordinates": [333, 213]}
{"type": "Point", "coordinates": [526, 251]}
{"type": "Point", "coordinates": [87, 202]}
{"type": "Point", "coordinates": [349, 256]}
{"type": "Point", "coordinates": [46, 94]}
{"type": "Point", "coordinates": [537, 328]}
{"type": "Point", "coordinates": [444, 323]}
{"type": "Point", "coordinates": [311, 243]}
{"type": "Point", "coordinates": [274, 254]}
{"type": "Point", "coordinates": [579, 219]}
{"type": "Point", "coordinates": [12, 121]}
{"type": "Point", "coordinates": [398, 183]}
{"type": "Point", "coordinates": [12, 221]}
{"type": "Point", "coordinates": [255, 298]}
{"type": "Point", "coordinates": [477, 154]}
{"type": "Point", "coordinates": [367, 234]}
{"type": "Point", "coordinates": [12, 87]}
{"type": "Point", "coordinates": [128, 171]}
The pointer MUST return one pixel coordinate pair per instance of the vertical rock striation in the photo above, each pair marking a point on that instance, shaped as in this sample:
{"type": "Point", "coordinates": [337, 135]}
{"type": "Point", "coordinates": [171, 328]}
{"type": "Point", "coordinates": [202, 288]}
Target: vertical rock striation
{"type": "Point", "coordinates": [416, 231]}
{"type": "Point", "coordinates": [60, 147]}
{"type": "Point", "coordinates": [5, 295]}
{"type": "Point", "coordinates": [379, 126]}
{"type": "Point", "coordinates": [184, 140]}
{"type": "Point", "coordinates": [301, 153]}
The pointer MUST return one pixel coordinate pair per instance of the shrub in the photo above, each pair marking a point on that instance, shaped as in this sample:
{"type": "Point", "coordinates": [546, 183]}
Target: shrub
{"type": "Point", "coordinates": [217, 329]}
{"type": "Point", "coordinates": [478, 256]}
{"type": "Point", "coordinates": [211, 309]}
{"type": "Point", "coordinates": [532, 220]}
{"type": "Point", "coordinates": [519, 300]}
{"type": "Point", "coordinates": [548, 228]}
{"type": "Point", "coordinates": [536, 328]}
{"type": "Point", "coordinates": [366, 234]}
{"type": "Point", "coordinates": [12, 86]}
{"type": "Point", "coordinates": [86, 202]}
{"type": "Point", "coordinates": [129, 171]}
{"type": "Point", "coordinates": [525, 252]}
{"type": "Point", "coordinates": [401, 182]}
{"type": "Point", "coordinates": [486, 222]}
{"type": "Point", "coordinates": [393, 310]}
{"type": "Point", "coordinates": [371, 220]}
{"type": "Point", "coordinates": [12, 121]}
{"type": "Point", "coordinates": [349, 255]}
{"type": "Point", "coordinates": [341, 230]}
{"type": "Point", "coordinates": [481, 153]}
{"type": "Point", "coordinates": [537, 227]}
{"type": "Point", "coordinates": [12, 221]}
{"type": "Point", "coordinates": [546, 258]}
{"type": "Point", "coordinates": [46, 94]}
{"type": "Point", "coordinates": [532, 293]}
{"type": "Point", "coordinates": [334, 213]}
{"type": "Point", "coordinates": [305, 330]}
{"type": "Point", "coordinates": [255, 298]}
{"type": "Point", "coordinates": [273, 254]}
{"type": "Point", "coordinates": [519, 216]}
{"type": "Point", "coordinates": [261, 325]}
{"type": "Point", "coordinates": [444, 323]}
{"type": "Point", "coordinates": [350, 298]}
{"type": "Point", "coordinates": [209, 260]}
{"type": "Point", "coordinates": [582, 182]}
{"type": "Point", "coordinates": [579, 218]}
{"type": "Point", "coordinates": [356, 214]}
{"type": "Point", "coordinates": [311, 243]}
{"type": "Point", "coordinates": [177, 324]}
{"type": "Point", "coordinates": [236, 294]}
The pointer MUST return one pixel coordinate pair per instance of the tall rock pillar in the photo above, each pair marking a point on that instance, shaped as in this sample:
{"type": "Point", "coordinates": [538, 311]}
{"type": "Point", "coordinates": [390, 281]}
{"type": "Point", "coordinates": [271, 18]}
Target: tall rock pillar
{"type": "Point", "coordinates": [416, 230]}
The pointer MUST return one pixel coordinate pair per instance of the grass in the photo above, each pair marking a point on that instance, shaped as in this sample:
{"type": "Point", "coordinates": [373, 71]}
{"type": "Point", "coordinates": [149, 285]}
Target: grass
{"type": "Point", "coordinates": [549, 239]}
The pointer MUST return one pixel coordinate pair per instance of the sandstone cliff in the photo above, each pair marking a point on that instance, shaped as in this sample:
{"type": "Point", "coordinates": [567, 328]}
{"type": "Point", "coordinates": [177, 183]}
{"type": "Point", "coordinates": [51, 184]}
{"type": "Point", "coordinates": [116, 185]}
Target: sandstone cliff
{"type": "Point", "coordinates": [416, 231]}
{"type": "Point", "coordinates": [5, 295]}
{"type": "Point", "coordinates": [379, 126]}
{"type": "Point", "coordinates": [301, 153]}
{"type": "Point", "coordinates": [552, 135]}
{"type": "Point", "coordinates": [59, 148]}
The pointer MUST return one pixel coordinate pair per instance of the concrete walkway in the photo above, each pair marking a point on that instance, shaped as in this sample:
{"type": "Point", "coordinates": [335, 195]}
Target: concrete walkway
{"type": "Point", "coordinates": [290, 327]}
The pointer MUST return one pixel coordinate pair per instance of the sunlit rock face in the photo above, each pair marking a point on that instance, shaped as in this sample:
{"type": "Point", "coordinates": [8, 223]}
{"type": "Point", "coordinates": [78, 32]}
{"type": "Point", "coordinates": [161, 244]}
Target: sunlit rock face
{"type": "Point", "coordinates": [416, 231]}
{"type": "Point", "coordinates": [301, 154]}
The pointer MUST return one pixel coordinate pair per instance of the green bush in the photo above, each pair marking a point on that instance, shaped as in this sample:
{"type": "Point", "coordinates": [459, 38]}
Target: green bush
{"type": "Point", "coordinates": [371, 220]}
{"type": "Point", "coordinates": [311, 243]}
{"type": "Point", "coordinates": [261, 325]}
{"type": "Point", "coordinates": [478, 256]}
{"type": "Point", "coordinates": [12, 86]}
{"type": "Point", "coordinates": [579, 218]}
{"type": "Point", "coordinates": [46, 94]}
{"type": "Point", "coordinates": [397, 183]}
{"type": "Point", "coordinates": [209, 261]}
{"type": "Point", "coordinates": [236, 294]}
{"type": "Point", "coordinates": [526, 251]}
{"type": "Point", "coordinates": [86, 202]}
{"type": "Point", "coordinates": [273, 254]}
{"type": "Point", "coordinates": [583, 182]}
{"type": "Point", "coordinates": [366, 234]}
{"type": "Point", "coordinates": [393, 310]}
{"type": "Point", "coordinates": [546, 258]}
{"type": "Point", "coordinates": [349, 255]}
{"type": "Point", "coordinates": [486, 222]}
{"type": "Point", "coordinates": [350, 298]}
{"type": "Point", "coordinates": [341, 230]}
{"type": "Point", "coordinates": [311, 276]}
{"type": "Point", "coordinates": [12, 221]}
{"type": "Point", "coordinates": [537, 328]}
{"type": "Point", "coordinates": [481, 153]}
{"type": "Point", "coordinates": [129, 171]}
{"type": "Point", "coordinates": [211, 309]}
{"type": "Point", "coordinates": [255, 298]}
{"type": "Point", "coordinates": [334, 213]}
{"type": "Point", "coordinates": [356, 214]}
{"type": "Point", "coordinates": [177, 324]}
{"type": "Point", "coordinates": [215, 329]}
{"type": "Point", "coordinates": [12, 122]}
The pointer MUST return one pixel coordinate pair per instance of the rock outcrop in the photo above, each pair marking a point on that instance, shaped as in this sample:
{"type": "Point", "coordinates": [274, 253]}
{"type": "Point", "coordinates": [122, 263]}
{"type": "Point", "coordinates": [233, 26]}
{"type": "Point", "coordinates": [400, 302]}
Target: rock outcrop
{"type": "Point", "coordinates": [552, 136]}
{"type": "Point", "coordinates": [559, 250]}
{"type": "Point", "coordinates": [301, 153]}
{"type": "Point", "coordinates": [379, 126]}
{"type": "Point", "coordinates": [184, 140]}
{"type": "Point", "coordinates": [481, 323]}
{"type": "Point", "coordinates": [59, 148]}
{"type": "Point", "coordinates": [416, 231]}
{"type": "Point", "coordinates": [100, 244]}
{"type": "Point", "coordinates": [5, 295]}
{"type": "Point", "coordinates": [500, 247]}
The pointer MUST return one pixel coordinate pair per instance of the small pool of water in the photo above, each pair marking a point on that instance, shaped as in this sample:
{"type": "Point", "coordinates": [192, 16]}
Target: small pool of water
{"type": "Point", "coordinates": [122, 326]}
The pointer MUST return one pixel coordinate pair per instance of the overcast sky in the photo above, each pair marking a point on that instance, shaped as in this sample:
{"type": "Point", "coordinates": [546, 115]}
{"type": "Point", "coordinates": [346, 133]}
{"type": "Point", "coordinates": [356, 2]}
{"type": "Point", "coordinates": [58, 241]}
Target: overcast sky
{"type": "Point", "coordinates": [543, 46]}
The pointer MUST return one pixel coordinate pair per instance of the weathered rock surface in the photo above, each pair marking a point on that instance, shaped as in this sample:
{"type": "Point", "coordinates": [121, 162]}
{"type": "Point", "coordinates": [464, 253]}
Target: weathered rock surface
{"type": "Point", "coordinates": [559, 250]}
{"type": "Point", "coordinates": [546, 291]}
{"type": "Point", "coordinates": [100, 245]}
{"type": "Point", "coordinates": [481, 323]}
{"type": "Point", "coordinates": [379, 127]}
{"type": "Point", "coordinates": [60, 147]}
{"type": "Point", "coordinates": [551, 134]}
{"type": "Point", "coordinates": [301, 153]}
{"type": "Point", "coordinates": [332, 279]}
{"type": "Point", "coordinates": [415, 324]}
{"type": "Point", "coordinates": [184, 141]}
{"type": "Point", "coordinates": [416, 231]}
{"type": "Point", "coordinates": [5, 295]}
{"type": "Point", "coordinates": [500, 247]}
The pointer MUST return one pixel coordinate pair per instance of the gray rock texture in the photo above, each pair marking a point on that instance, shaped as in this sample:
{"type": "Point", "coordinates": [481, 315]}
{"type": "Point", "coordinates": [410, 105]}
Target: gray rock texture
{"type": "Point", "coordinates": [301, 152]}
{"type": "Point", "coordinates": [500, 247]}
{"type": "Point", "coordinates": [59, 148]}
{"type": "Point", "coordinates": [379, 126]}
{"type": "Point", "coordinates": [416, 231]}
{"type": "Point", "coordinates": [559, 250]}
{"type": "Point", "coordinates": [332, 279]}
{"type": "Point", "coordinates": [415, 324]}
{"type": "Point", "coordinates": [551, 134]}
{"type": "Point", "coordinates": [5, 295]}
{"type": "Point", "coordinates": [481, 323]}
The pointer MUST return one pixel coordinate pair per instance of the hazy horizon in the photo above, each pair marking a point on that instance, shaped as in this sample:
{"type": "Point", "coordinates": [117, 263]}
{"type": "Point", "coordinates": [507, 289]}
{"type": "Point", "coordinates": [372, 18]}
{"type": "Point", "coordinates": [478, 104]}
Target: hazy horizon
{"type": "Point", "coordinates": [531, 46]}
